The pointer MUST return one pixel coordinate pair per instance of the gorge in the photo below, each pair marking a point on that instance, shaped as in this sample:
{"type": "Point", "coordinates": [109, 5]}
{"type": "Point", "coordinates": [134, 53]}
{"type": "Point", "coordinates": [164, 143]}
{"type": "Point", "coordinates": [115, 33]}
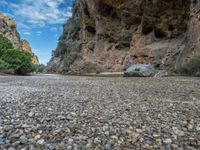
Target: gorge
{"type": "Point", "coordinates": [73, 104]}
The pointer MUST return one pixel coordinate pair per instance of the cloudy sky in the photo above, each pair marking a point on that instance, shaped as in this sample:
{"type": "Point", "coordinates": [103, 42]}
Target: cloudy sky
{"type": "Point", "coordinates": [39, 21]}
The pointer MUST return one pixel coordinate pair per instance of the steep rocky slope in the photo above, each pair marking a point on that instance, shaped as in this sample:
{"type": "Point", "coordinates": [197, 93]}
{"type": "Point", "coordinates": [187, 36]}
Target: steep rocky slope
{"type": "Point", "coordinates": [110, 35]}
{"type": "Point", "coordinates": [9, 31]}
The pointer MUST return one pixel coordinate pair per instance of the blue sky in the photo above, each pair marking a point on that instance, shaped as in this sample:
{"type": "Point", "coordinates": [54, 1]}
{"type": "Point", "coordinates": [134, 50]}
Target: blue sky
{"type": "Point", "coordinates": [39, 21]}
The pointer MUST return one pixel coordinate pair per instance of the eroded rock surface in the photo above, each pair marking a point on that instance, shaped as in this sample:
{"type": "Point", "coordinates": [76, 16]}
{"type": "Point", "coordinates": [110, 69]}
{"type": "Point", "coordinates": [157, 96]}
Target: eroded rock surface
{"type": "Point", "coordinates": [25, 46]}
{"type": "Point", "coordinates": [110, 35]}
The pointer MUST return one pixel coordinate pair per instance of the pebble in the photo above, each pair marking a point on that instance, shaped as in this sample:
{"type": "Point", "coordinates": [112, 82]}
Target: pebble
{"type": "Point", "coordinates": [198, 128]}
{"type": "Point", "coordinates": [190, 127]}
{"type": "Point", "coordinates": [1, 141]}
{"type": "Point", "coordinates": [37, 137]}
{"type": "Point", "coordinates": [178, 132]}
{"type": "Point", "coordinates": [41, 142]}
{"type": "Point", "coordinates": [167, 141]}
{"type": "Point", "coordinates": [107, 146]}
{"type": "Point", "coordinates": [23, 140]}
{"type": "Point", "coordinates": [69, 147]}
{"type": "Point", "coordinates": [70, 141]}
{"type": "Point", "coordinates": [31, 114]}
{"type": "Point", "coordinates": [89, 145]}
{"type": "Point", "coordinates": [138, 130]}
{"type": "Point", "coordinates": [97, 141]}
{"type": "Point", "coordinates": [50, 146]}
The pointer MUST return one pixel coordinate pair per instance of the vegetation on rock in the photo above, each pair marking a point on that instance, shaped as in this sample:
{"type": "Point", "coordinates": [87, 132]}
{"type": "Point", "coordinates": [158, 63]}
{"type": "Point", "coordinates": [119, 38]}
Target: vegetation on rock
{"type": "Point", "coordinates": [192, 67]}
{"type": "Point", "coordinates": [39, 68]}
{"type": "Point", "coordinates": [72, 55]}
{"type": "Point", "coordinates": [4, 45]}
{"type": "Point", "coordinates": [18, 61]}
{"type": "Point", "coordinates": [3, 65]}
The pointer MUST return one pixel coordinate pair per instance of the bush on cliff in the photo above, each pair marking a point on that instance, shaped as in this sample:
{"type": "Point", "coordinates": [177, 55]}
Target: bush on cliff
{"type": "Point", "coordinates": [18, 60]}
{"type": "Point", "coordinates": [192, 67]}
{"type": "Point", "coordinates": [3, 65]}
{"type": "Point", "coordinates": [5, 44]}
{"type": "Point", "coordinates": [14, 59]}
{"type": "Point", "coordinates": [74, 52]}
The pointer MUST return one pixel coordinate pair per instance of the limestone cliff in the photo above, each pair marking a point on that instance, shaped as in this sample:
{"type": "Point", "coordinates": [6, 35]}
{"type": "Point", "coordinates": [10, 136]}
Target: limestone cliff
{"type": "Point", "coordinates": [110, 35]}
{"type": "Point", "coordinates": [25, 46]}
{"type": "Point", "coordinates": [9, 31]}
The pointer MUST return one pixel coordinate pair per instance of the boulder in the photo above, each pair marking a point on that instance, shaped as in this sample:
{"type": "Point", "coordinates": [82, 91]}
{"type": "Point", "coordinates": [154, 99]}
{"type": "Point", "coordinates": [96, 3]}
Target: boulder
{"type": "Point", "coordinates": [140, 70]}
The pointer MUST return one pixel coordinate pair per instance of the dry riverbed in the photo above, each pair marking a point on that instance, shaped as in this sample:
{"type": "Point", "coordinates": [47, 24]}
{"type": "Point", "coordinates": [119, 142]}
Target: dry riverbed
{"type": "Point", "coordinates": [72, 112]}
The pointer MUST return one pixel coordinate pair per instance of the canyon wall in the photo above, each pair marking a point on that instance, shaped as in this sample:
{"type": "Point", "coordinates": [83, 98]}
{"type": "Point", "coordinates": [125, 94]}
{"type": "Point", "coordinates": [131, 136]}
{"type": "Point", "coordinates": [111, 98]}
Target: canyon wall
{"type": "Point", "coordinates": [111, 35]}
{"type": "Point", "coordinates": [9, 31]}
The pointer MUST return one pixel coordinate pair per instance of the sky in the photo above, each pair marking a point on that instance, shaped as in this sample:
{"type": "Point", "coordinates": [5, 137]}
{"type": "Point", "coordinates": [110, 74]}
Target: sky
{"type": "Point", "coordinates": [39, 21]}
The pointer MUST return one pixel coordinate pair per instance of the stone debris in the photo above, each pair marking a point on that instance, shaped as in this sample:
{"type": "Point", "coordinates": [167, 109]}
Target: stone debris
{"type": "Point", "coordinates": [108, 113]}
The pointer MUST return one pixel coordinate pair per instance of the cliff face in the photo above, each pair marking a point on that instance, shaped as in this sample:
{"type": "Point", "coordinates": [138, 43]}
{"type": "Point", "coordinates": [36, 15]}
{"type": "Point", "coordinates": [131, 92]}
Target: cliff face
{"type": "Point", "coordinates": [110, 35]}
{"type": "Point", "coordinates": [25, 46]}
{"type": "Point", "coordinates": [9, 31]}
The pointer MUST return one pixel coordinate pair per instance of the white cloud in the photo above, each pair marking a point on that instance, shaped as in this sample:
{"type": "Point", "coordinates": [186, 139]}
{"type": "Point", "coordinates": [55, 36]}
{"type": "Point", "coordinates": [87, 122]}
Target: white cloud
{"type": "Point", "coordinates": [23, 26]}
{"type": "Point", "coordinates": [38, 13]}
{"type": "Point", "coordinates": [27, 33]}
{"type": "Point", "coordinates": [35, 23]}
{"type": "Point", "coordinates": [53, 29]}
{"type": "Point", "coordinates": [3, 2]}
{"type": "Point", "coordinates": [39, 33]}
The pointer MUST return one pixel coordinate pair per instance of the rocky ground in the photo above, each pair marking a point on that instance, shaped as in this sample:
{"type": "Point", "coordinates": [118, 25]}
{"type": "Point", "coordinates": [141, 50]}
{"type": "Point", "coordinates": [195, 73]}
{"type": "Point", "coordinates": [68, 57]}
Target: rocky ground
{"type": "Point", "coordinates": [71, 112]}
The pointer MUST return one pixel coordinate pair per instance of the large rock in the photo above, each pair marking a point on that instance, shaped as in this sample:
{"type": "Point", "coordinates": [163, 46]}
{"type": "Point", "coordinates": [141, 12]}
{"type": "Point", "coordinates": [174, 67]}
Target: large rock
{"type": "Point", "coordinates": [140, 70]}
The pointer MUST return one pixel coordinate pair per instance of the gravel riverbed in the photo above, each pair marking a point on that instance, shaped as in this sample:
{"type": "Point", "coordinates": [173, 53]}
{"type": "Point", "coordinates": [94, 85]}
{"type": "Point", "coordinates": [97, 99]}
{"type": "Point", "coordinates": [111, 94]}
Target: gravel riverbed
{"type": "Point", "coordinates": [99, 113]}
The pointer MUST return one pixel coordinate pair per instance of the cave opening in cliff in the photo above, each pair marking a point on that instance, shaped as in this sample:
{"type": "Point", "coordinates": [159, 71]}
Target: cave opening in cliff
{"type": "Point", "coordinates": [87, 12]}
{"type": "Point", "coordinates": [160, 34]}
{"type": "Point", "coordinates": [107, 10]}
{"type": "Point", "coordinates": [171, 28]}
{"type": "Point", "coordinates": [147, 29]}
{"type": "Point", "coordinates": [91, 29]}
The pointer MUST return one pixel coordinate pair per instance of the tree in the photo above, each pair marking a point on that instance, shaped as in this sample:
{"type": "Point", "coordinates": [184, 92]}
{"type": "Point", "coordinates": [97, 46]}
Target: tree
{"type": "Point", "coordinates": [18, 60]}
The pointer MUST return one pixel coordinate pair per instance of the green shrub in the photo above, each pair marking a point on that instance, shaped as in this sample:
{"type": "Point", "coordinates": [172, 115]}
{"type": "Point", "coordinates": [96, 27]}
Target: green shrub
{"type": "Point", "coordinates": [5, 44]}
{"type": "Point", "coordinates": [192, 67]}
{"type": "Point", "coordinates": [14, 59]}
{"type": "Point", "coordinates": [3, 65]}
{"type": "Point", "coordinates": [18, 60]}
{"type": "Point", "coordinates": [71, 56]}
{"type": "Point", "coordinates": [39, 68]}
{"type": "Point", "coordinates": [13, 26]}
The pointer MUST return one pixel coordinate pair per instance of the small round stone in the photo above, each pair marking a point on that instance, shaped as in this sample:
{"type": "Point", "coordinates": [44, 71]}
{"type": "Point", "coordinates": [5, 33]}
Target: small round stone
{"type": "Point", "coordinates": [23, 140]}
{"type": "Point", "coordinates": [167, 141]}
